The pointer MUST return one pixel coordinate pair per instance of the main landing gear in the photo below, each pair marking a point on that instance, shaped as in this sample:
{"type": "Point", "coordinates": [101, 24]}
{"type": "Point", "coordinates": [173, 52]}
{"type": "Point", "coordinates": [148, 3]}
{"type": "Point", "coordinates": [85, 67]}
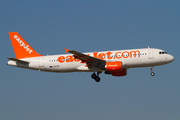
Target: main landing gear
{"type": "Point", "coordinates": [152, 73]}
{"type": "Point", "coordinates": [96, 77]}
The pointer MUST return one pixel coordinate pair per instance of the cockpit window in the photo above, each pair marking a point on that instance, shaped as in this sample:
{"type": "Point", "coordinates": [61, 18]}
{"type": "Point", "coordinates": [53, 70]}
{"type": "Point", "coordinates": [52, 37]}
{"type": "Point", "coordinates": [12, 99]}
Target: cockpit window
{"type": "Point", "coordinates": [162, 52]}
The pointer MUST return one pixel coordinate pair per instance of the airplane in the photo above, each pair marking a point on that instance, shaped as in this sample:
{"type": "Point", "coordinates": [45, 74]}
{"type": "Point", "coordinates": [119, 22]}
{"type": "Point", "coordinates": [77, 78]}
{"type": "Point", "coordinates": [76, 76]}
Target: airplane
{"type": "Point", "coordinates": [113, 63]}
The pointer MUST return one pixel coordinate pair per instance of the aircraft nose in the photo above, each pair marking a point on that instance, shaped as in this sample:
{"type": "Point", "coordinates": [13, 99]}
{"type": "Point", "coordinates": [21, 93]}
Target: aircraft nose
{"type": "Point", "coordinates": [171, 58]}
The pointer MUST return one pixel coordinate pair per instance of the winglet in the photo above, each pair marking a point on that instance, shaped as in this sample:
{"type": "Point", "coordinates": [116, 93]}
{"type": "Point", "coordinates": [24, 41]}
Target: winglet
{"type": "Point", "coordinates": [66, 50]}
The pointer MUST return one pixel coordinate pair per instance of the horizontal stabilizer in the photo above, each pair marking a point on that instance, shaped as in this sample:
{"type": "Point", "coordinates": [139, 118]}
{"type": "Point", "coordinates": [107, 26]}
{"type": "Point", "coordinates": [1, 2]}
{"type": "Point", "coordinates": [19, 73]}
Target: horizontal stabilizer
{"type": "Point", "coordinates": [17, 60]}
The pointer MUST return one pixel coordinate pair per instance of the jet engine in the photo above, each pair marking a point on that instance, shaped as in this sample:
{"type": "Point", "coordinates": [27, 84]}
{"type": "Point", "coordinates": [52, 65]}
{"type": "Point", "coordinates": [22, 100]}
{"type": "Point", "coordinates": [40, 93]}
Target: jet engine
{"type": "Point", "coordinates": [113, 66]}
{"type": "Point", "coordinates": [115, 69]}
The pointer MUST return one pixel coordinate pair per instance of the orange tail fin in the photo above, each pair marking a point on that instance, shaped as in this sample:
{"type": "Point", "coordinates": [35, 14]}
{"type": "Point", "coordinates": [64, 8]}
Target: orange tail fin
{"type": "Point", "coordinates": [21, 48]}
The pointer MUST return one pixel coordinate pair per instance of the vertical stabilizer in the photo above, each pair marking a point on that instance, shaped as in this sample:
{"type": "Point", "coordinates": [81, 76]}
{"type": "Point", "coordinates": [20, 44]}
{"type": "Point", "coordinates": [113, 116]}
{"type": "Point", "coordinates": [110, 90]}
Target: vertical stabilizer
{"type": "Point", "coordinates": [21, 48]}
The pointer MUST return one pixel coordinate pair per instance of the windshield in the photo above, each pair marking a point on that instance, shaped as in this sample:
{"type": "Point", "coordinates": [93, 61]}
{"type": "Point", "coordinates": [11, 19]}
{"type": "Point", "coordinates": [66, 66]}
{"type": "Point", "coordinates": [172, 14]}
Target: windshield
{"type": "Point", "coordinates": [162, 52]}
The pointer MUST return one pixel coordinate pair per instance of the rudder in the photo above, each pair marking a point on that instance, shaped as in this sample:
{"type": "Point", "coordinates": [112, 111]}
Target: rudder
{"type": "Point", "coordinates": [21, 48]}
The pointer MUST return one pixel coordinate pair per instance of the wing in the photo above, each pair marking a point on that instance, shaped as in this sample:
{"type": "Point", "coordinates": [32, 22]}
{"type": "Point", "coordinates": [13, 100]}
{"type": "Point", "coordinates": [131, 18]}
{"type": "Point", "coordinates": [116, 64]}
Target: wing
{"type": "Point", "coordinates": [86, 58]}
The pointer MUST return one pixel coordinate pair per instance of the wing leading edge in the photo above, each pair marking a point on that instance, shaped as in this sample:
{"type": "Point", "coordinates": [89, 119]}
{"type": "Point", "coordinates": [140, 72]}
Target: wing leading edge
{"type": "Point", "coordinates": [84, 58]}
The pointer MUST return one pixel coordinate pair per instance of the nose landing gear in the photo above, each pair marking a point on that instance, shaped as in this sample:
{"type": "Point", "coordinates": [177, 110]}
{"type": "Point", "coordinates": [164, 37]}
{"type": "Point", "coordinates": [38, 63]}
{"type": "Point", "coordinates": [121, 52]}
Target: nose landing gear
{"type": "Point", "coordinates": [152, 73]}
{"type": "Point", "coordinates": [96, 77]}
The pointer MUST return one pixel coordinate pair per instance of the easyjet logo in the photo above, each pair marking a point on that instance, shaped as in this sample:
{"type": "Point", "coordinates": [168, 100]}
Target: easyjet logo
{"type": "Point", "coordinates": [107, 55]}
{"type": "Point", "coordinates": [22, 44]}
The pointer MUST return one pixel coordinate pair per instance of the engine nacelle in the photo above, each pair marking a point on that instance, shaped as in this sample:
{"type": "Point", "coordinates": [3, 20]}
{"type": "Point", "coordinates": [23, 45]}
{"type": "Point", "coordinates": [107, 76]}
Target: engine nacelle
{"type": "Point", "coordinates": [113, 66]}
{"type": "Point", "coordinates": [123, 72]}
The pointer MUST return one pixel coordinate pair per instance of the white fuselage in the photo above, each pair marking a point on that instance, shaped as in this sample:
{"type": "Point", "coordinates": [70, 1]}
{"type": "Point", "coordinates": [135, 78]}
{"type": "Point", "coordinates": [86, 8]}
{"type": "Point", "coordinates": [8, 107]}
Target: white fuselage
{"type": "Point", "coordinates": [131, 58]}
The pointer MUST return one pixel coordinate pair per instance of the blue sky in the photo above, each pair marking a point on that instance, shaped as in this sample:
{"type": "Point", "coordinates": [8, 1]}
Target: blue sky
{"type": "Point", "coordinates": [49, 26]}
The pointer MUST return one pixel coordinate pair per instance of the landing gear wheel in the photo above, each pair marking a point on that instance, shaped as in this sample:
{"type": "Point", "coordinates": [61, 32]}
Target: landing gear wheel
{"type": "Point", "coordinates": [93, 76]}
{"type": "Point", "coordinates": [152, 73]}
{"type": "Point", "coordinates": [97, 79]}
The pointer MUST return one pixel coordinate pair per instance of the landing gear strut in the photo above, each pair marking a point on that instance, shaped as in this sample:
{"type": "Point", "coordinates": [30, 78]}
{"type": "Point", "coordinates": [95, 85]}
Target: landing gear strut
{"type": "Point", "coordinates": [152, 73]}
{"type": "Point", "coordinates": [96, 77]}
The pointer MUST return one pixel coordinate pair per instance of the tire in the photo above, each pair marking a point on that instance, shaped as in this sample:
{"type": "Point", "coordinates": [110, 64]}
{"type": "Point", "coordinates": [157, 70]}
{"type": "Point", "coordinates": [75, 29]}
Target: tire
{"type": "Point", "coordinates": [152, 73]}
{"type": "Point", "coordinates": [93, 76]}
{"type": "Point", "coordinates": [97, 79]}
